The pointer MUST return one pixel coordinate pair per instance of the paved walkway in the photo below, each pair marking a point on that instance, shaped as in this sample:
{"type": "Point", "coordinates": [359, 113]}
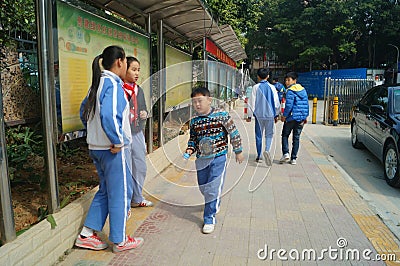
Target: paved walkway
{"type": "Point", "coordinates": [298, 209]}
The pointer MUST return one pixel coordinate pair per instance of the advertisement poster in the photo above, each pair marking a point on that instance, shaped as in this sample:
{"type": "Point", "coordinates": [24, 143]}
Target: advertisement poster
{"type": "Point", "coordinates": [178, 77]}
{"type": "Point", "coordinates": [81, 37]}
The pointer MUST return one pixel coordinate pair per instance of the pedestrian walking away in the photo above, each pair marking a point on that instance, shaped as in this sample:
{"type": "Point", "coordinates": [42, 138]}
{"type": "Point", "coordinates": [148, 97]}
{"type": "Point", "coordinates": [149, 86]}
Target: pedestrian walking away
{"type": "Point", "coordinates": [265, 105]}
{"type": "Point", "coordinates": [279, 88]}
{"type": "Point", "coordinates": [209, 130]}
{"type": "Point", "coordinates": [105, 113]}
{"type": "Point", "coordinates": [138, 116]}
{"type": "Point", "coordinates": [294, 117]}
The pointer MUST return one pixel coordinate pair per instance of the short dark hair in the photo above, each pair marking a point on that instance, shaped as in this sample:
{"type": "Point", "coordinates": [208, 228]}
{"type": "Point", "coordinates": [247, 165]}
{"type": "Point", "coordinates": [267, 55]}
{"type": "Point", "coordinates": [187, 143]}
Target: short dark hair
{"type": "Point", "coordinates": [200, 90]}
{"type": "Point", "coordinates": [292, 75]}
{"type": "Point", "coordinates": [263, 73]}
{"type": "Point", "coordinates": [130, 59]}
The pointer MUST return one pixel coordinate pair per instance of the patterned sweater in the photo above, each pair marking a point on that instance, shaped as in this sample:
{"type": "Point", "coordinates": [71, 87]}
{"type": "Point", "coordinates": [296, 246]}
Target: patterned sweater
{"type": "Point", "coordinates": [209, 134]}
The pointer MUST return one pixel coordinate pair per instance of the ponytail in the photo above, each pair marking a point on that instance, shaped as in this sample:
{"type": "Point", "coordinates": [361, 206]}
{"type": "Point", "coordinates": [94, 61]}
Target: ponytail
{"type": "Point", "coordinates": [108, 57]}
{"type": "Point", "coordinates": [90, 107]}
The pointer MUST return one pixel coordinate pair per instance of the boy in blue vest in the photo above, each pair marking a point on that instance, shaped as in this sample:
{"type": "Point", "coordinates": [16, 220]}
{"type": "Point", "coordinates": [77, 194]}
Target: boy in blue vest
{"type": "Point", "coordinates": [279, 88]}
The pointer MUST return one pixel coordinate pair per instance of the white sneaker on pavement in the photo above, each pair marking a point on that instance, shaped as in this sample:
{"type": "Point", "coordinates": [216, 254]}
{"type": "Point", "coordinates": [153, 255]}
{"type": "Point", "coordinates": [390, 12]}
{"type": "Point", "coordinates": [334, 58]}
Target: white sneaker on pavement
{"type": "Point", "coordinates": [285, 158]}
{"type": "Point", "coordinates": [208, 228]}
{"type": "Point", "coordinates": [267, 158]}
{"type": "Point", "coordinates": [293, 162]}
{"type": "Point", "coordinates": [144, 203]}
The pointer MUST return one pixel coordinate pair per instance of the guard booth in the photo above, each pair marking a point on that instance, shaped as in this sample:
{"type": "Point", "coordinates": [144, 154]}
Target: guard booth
{"type": "Point", "coordinates": [72, 33]}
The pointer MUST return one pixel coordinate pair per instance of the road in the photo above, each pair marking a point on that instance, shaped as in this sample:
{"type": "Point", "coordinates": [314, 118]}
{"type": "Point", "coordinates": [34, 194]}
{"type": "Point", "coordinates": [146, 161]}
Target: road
{"type": "Point", "coordinates": [361, 168]}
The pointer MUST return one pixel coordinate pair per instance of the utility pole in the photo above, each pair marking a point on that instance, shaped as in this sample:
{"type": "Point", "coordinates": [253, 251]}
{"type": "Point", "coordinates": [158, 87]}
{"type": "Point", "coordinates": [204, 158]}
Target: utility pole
{"type": "Point", "coordinates": [397, 61]}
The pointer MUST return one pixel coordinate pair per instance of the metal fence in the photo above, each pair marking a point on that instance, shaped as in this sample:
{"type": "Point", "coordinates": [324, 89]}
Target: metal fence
{"type": "Point", "coordinates": [347, 91]}
{"type": "Point", "coordinates": [27, 57]}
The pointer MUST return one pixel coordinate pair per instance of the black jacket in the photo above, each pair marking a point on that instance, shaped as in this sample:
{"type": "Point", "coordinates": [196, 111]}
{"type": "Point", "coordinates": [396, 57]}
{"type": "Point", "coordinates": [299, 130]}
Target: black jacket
{"type": "Point", "coordinates": [141, 102]}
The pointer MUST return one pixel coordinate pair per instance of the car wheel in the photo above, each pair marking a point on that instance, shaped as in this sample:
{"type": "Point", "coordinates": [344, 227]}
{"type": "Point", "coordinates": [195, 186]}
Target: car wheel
{"type": "Point", "coordinates": [391, 164]}
{"type": "Point", "coordinates": [354, 139]}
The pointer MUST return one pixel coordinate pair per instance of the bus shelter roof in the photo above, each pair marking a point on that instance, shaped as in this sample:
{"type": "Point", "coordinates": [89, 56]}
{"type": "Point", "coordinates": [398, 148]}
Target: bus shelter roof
{"type": "Point", "coordinates": [183, 20]}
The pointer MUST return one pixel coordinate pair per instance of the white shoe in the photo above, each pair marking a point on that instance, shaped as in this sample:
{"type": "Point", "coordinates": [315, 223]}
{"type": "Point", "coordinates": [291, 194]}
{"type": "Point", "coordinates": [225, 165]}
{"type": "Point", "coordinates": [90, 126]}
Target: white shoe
{"type": "Point", "coordinates": [208, 228]}
{"type": "Point", "coordinates": [293, 162]}
{"type": "Point", "coordinates": [144, 203]}
{"type": "Point", "coordinates": [267, 158]}
{"type": "Point", "coordinates": [285, 158]}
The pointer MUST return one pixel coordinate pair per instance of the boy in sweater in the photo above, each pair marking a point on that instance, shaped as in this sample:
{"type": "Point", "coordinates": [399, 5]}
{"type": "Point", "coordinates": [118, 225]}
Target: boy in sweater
{"type": "Point", "coordinates": [209, 130]}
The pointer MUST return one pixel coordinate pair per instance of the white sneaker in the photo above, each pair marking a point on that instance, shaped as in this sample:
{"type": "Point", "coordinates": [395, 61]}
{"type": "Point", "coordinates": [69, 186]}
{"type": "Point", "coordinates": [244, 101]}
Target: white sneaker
{"type": "Point", "coordinates": [285, 158]}
{"type": "Point", "coordinates": [208, 228]}
{"type": "Point", "coordinates": [144, 203]}
{"type": "Point", "coordinates": [293, 162]}
{"type": "Point", "coordinates": [267, 158]}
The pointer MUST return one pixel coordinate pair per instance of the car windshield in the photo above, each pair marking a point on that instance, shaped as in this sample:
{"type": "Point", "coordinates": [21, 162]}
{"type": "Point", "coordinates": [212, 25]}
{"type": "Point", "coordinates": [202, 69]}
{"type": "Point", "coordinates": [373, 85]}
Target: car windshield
{"type": "Point", "coordinates": [396, 102]}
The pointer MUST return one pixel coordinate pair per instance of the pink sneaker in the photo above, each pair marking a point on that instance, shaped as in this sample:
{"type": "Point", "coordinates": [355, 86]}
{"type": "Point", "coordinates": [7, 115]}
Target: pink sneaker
{"type": "Point", "coordinates": [130, 243]}
{"type": "Point", "coordinates": [91, 242]}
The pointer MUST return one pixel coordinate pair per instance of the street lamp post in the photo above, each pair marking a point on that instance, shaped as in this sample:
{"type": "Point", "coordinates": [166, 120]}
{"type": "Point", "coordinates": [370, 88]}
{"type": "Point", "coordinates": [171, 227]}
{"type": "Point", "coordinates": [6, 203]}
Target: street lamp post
{"type": "Point", "coordinates": [397, 60]}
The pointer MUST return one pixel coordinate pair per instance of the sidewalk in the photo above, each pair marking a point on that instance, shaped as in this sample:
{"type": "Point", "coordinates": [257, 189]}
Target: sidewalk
{"type": "Point", "coordinates": [298, 208]}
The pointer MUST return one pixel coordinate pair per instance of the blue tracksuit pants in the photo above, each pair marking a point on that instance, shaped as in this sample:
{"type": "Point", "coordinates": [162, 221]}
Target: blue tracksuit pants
{"type": "Point", "coordinates": [139, 168]}
{"type": "Point", "coordinates": [264, 127]}
{"type": "Point", "coordinates": [210, 177]}
{"type": "Point", "coordinates": [114, 195]}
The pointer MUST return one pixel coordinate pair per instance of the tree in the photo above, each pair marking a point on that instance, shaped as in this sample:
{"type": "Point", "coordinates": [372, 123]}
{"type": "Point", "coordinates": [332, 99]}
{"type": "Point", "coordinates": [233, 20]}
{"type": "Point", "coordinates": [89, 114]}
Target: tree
{"type": "Point", "coordinates": [242, 15]}
{"type": "Point", "coordinates": [321, 33]}
{"type": "Point", "coordinates": [16, 15]}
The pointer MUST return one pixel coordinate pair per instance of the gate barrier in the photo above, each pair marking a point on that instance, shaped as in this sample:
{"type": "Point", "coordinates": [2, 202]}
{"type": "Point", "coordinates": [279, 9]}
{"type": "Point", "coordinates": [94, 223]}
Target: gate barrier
{"type": "Point", "coordinates": [347, 91]}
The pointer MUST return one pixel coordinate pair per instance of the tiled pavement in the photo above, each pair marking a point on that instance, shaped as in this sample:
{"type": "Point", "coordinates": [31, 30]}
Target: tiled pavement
{"type": "Point", "coordinates": [298, 208]}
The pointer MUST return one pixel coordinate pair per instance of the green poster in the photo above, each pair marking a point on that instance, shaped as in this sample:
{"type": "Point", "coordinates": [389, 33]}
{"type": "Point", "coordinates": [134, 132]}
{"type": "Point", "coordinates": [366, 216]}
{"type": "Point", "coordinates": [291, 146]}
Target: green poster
{"type": "Point", "coordinates": [81, 37]}
{"type": "Point", "coordinates": [178, 76]}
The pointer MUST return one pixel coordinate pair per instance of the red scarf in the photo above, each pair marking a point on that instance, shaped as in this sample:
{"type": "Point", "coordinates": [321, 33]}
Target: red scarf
{"type": "Point", "coordinates": [131, 95]}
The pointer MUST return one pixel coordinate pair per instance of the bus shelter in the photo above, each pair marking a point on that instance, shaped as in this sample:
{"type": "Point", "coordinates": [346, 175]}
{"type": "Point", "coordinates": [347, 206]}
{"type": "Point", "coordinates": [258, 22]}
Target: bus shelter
{"type": "Point", "coordinates": [69, 36]}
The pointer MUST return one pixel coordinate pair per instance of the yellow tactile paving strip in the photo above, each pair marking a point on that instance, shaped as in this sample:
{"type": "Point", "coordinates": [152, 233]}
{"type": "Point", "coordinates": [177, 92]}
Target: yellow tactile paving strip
{"type": "Point", "coordinates": [375, 230]}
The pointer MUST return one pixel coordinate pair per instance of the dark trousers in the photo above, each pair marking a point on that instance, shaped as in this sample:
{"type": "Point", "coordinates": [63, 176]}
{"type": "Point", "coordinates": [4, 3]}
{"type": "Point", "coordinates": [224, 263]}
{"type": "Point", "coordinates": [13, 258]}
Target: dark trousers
{"type": "Point", "coordinates": [288, 127]}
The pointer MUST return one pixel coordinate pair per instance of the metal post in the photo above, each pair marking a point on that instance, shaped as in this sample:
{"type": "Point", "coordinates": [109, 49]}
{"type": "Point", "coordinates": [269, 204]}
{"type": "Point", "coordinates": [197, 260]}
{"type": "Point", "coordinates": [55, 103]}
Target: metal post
{"type": "Point", "coordinates": [397, 62]}
{"type": "Point", "coordinates": [46, 81]}
{"type": "Point", "coordinates": [205, 74]}
{"type": "Point", "coordinates": [335, 118]}
{"type": "Point", "coordinates": [314, 110]}
{"type": "Point", "coordinates": [7, 228]}
{"type": "Point", "coordinates": [150, 119]}
{"type": "Point", "coordinates": [161, 83]}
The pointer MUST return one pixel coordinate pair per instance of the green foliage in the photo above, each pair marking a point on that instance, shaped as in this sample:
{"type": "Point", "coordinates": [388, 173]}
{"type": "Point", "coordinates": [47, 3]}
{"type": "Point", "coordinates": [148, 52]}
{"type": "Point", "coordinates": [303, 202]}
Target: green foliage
{"type": "Point", "coordinates": [66, 151]}
{"type": "Point", "coordinates": [349, 33]}
{"type": "Point", "coordinates": [242, 15]}
{"type": "Point", "coordinates": [23, 143]}
{"type": "Point", "coordinates": [16, 15]}
{"type": "Point", "coordinates": [43, 213]}
{"type": "Point", "coordinates": [52, 221]}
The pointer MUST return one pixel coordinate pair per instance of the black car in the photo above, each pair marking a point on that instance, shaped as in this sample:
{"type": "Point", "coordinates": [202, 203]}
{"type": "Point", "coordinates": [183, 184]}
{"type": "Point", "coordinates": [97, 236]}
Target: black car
{"type": "Point", "coordinates": [375, 125]}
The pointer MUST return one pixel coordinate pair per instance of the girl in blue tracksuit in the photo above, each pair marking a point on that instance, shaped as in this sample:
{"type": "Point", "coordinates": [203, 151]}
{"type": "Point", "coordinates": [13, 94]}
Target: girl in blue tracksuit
{"type": "Point", "coordinates": [105, 113]}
